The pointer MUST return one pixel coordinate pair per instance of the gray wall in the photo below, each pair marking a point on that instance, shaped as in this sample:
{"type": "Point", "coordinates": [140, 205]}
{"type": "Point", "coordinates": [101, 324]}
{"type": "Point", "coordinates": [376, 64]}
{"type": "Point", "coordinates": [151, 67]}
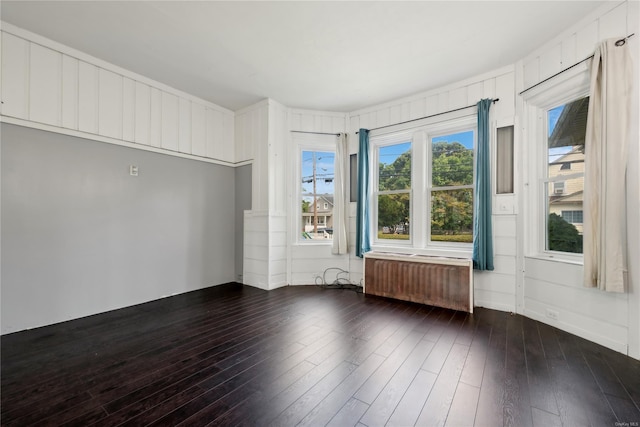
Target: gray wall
{"type": "Point", "coordinates": [81, 236]}
{"type": "Point", "coordinates": [243, 202]}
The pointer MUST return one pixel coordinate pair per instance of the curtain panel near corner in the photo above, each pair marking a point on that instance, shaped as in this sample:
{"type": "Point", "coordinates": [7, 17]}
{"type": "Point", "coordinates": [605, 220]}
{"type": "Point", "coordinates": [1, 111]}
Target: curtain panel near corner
{"type": "Point", "coordinates": [606, 149]}
{"type": "Point", "coordinates": [482, 231]}
{"type": "Point", "coordinates": [363, 243]}
{"type": "Point", "coordinates": [340, 202]}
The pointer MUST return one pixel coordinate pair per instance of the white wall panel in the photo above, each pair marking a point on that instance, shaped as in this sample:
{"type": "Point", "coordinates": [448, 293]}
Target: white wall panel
{"type": "Point", "coordinates": [494, 300]}
{"type": "Point", "coordinates": [110, 104]}
{"type": "Point", "coordinates": [588, 302]}
{"type": "Point", "coordinates": [155, 118]}
{"type": "Point", "coordinates": [142, 113]}
{"type": "Point", "coordinates": [614, 23]}
{"type": "Point", "coordinates": [417, 109]}
{"type": "Point", "coordinates": [53, 87]}
{"type": "Point", "coordinates": [606, 334]}
{"type": "Point", "coordinates": [184, 126]}
{"type": "Point", "coordinates": [458, 98]}
{"type": "Point", "coordinates": [15, 74]}
{"type": "Point", "coordinates": [128, 109]}
{"type": "Point", "coordinates": [170, 122]}
{"type": "Point", "coordinates": [504, 226]}
{"type": "Point", "coordinates": [568, 48]}
{"type": "Point", "coordinates": [489, 88]}
{"type": "Point", "coordinates": [198, 130]}
{"type": "Point", "coordinates": [87, 97]}
{"type": "Point", "coordinates": [494, 282]}
{"type": "Point", "coordinates": [474, 92]}
{"type": "Point", "coordinates": [586, 40]}
{"type": "Point", "coordinates": [531, 72]}
{"type": "Point", "coordinates": [214, 133]}
{"type": "Point", "coordinates": [506, 92]}
{"type": "Point", "coordinates": [45, 85]}
{"type": "Point", "coordinates": [69, 92]}
{"type": "Point", "coordinates": [550, 62]}
{"type": "Point", "coordinates": [228, 138]}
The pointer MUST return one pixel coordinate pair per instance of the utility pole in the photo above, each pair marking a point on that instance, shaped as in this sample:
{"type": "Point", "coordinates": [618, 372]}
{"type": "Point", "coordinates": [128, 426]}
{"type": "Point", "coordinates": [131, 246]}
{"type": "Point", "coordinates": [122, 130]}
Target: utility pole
{"type": "Point", "coordinates": [315, 201]}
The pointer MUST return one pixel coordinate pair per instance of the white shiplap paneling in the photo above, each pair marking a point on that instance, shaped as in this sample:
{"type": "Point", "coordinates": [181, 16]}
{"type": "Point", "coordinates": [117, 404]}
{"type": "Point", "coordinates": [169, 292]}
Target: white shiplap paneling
{"type": "Point", "coordinates": [15, 73]}
{"type": "Point", "coordinates": [69, 92]}
{"type": "Point", "coordinates": [110, 104]}
{"type": "Point", "coordinates": [155, 118]}
{"type": "Point", "coordinates": [88, 97]}
{"type": "Point", "coordinates": [128, 109]}
{"type": "Point", "coordinates": [52, 87]}
{"type": "Point", "coordinates": [142, 113]}
{"type": "Point", "coordinates": [45, 85]}
{"type": "Point", "coordinates": [170, 122]}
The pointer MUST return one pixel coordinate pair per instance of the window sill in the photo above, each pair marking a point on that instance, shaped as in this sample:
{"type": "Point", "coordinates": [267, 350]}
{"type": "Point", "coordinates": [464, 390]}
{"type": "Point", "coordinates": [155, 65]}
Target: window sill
{"type": "Point", "coordinates": [439, 252]}
{"type": "Point", "coordinates": [327, 243]}
{"type": "Point", "coordinates": [557, 258]}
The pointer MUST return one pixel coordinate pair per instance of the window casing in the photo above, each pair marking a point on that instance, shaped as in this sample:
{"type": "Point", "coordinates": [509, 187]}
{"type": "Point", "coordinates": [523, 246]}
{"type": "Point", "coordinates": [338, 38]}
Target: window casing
{"type": "Point", "coordinates": [313, 201]}
{"type": "Point", "coordinates": [555, 113]}
{"type": "Point", "coordinates": [437, 191]}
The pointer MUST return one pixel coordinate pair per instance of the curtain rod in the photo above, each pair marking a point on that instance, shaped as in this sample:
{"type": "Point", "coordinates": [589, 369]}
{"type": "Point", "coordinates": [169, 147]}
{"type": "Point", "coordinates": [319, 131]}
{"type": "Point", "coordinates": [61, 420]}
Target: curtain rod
{"type": "Point", "coordinates": [620, 42]}
{"type": "Point", "coordinates": [428, 117]}
{"type": "Point", "coordinates": [316, 133]}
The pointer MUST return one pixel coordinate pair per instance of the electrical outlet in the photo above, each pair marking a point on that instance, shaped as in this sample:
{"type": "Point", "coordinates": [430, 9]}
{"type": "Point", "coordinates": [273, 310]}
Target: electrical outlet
{"type": "Point", "coordinates": [552, 314]}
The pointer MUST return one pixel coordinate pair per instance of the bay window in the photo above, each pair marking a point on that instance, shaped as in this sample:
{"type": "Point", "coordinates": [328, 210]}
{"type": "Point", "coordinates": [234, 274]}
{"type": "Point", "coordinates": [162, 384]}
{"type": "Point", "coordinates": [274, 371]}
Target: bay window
{"type": "Point", "coordinates": [423, 188]}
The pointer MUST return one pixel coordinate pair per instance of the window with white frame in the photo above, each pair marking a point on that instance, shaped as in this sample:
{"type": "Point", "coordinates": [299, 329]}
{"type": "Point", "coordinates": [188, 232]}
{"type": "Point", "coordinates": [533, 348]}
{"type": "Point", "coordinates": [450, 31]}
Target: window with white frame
{"type": "Point", "coordinates": [451, 189]}
{"type": "Point", "coordinates": [315, 196]}
{"type": "Point", "coordinates": [556, 116]}
{"type": "Point", "coordinates": [423, 188]}
{"type": "Point", "coordinates": [566, 130]}
{"type": "Point", "coordinates": [392, 194]}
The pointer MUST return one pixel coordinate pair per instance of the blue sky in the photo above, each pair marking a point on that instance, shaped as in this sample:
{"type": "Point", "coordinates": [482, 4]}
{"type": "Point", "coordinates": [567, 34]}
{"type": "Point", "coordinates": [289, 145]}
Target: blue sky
{"type": "Point", "coordinates": [552, 116]}
{"type": "Point", "coordinates": [465, 138]}
{"type": "Point", "coordinates": [324, 170]}
{"type": "Point", "coordinates": [390, 153]}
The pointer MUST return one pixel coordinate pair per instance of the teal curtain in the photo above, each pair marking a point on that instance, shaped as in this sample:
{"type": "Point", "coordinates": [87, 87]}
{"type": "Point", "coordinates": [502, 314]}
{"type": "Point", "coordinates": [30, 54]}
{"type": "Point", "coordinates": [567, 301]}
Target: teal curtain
{"type": "Point", "coordinates": [363, 243]}
{"type": "Point", "coordinates": [482, 233]}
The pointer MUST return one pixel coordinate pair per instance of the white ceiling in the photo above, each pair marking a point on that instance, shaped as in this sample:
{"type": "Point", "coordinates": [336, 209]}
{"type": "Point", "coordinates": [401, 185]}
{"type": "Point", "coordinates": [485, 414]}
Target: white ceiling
{"type": "Point", "coordinates": [335, 56]}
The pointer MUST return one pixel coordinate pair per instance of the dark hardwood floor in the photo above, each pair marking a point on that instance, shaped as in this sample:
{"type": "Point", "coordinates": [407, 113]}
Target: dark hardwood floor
{"type": "Point", "coordinates": [234, 355]}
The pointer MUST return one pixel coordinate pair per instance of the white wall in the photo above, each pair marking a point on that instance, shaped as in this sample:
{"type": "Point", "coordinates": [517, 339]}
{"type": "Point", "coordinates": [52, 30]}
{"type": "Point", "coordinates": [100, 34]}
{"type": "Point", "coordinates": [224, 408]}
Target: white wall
{"type": "Point", "coordinates": [48, 86]}
{"type": "Point", "coordinates": [81, 236]}
{"type": "Point", "coordinates": [308, 261]}
{"type": "Point", "coordinates": [605, 318]}
{"type": "Point", "coordinates": [142, 238]}
{"type": "Point", "coordinates": [261, 136]}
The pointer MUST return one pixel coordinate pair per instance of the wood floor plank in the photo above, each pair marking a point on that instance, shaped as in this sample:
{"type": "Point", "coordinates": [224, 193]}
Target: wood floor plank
{"type": "Point", "coordinates": [325, 410]}
{"type": "Point", "coordinates": [385, 403]}
{"type": "Point", "coordinates": [410, 406]}
{"type": "Point", "coordinates": [463, 407]}
{"type": "Point", "coordinates": [349, 415]}
{"type": "Point", "coordinates": [436, 408]}
{"type": "Point", "coordinates": [307, 356]}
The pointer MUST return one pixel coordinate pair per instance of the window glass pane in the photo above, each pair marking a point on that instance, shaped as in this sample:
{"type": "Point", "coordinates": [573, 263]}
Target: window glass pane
{"type": "Point", "coordinates": [561, 234]}
{"type": "Point", "coordinates": [393, 216]}
{"type": "Point", "coordinates": [565, 150]}
{"type": "Point", "coordinates": [395, 167]}
{"type": "Point", "coordinates": [452, 159]}
{"type": "Point", "coordinates": [452, 215]}
{"type": "Point", "coordinates": [567, 126]}
{"type": "Point", "coordinates": [317, 195]}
